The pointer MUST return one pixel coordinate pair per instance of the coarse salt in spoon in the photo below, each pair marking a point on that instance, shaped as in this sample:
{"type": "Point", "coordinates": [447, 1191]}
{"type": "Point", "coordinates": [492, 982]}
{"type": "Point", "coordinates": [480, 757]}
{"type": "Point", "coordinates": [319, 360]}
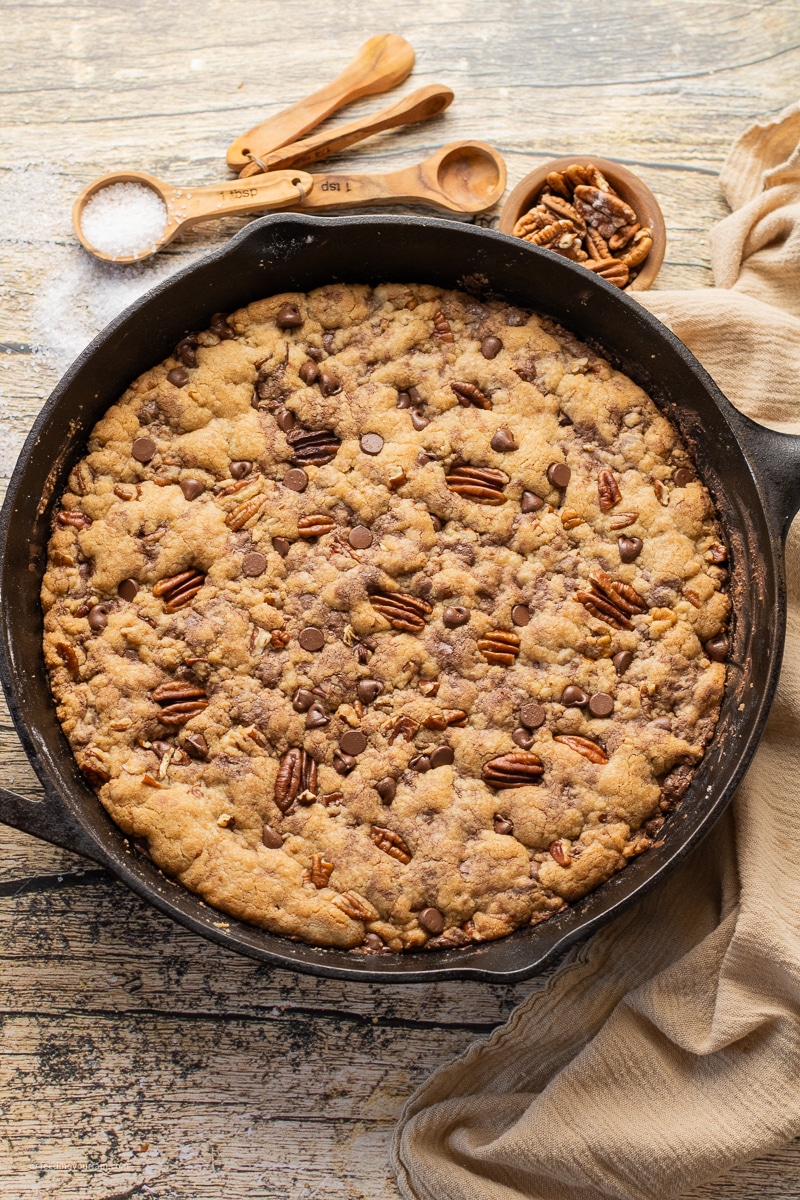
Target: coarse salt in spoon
{"type": "Point", "coordinates": [126, 216]}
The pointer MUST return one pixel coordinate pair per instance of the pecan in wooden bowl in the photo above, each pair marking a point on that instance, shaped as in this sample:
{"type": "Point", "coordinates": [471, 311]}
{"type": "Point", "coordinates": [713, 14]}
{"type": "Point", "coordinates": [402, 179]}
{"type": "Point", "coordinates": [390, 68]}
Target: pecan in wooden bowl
{"type": "Point", "coordinates": [594, 212]}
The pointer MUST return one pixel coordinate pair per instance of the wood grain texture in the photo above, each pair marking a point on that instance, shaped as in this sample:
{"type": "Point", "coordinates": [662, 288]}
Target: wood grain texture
{"type": "Point", "coordinates": [137, 1060]}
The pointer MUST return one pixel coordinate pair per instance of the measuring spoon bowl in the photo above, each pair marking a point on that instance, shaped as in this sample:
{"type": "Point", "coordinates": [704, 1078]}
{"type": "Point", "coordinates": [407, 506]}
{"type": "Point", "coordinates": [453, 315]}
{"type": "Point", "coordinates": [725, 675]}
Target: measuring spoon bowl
{"type": "Point", "coordinates": [187, 206]}
{"type": "Point", "coordinates": [463, 177]}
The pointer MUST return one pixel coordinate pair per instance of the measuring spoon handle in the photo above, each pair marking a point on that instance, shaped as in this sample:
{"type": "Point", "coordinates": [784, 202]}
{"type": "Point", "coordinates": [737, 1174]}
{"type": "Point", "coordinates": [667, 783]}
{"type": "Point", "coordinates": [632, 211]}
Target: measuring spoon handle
{"type": "Point", "coordinates": [419, 106]}
{"type": "Point", "coordinates": [191, 205]}
{"type": "Point", "coordinates": [381, 63]}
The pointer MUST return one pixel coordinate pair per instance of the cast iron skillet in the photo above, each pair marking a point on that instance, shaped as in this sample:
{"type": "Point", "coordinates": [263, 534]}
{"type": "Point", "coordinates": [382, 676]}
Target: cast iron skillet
{"type": "Point", "coordinates": [752, 472]}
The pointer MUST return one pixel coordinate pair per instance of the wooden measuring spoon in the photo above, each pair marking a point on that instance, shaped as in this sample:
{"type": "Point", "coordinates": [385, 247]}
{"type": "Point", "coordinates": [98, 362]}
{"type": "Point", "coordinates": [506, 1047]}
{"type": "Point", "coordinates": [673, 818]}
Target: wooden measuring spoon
{"type": "Point", "coordinates": [187, 206]}
{"type": "Point", "coordinates": [381, 63]}
{"type": "Point", "coordinates": [419, 106]}
{"type": "Point", "coordinates": [464, 177]}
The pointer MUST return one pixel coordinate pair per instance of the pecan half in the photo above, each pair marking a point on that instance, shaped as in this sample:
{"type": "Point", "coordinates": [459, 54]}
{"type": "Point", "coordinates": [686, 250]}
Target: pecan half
{"type": "Point", "coordinates": [499, 647]}
{"type": "Point", "coordinates": [401, 610]}
{"type": "Point", "coordinates": [639, 249]}
{"type": "Point", "coordinates": [66, 652]}
{"type": "Point", "coordinates": [297, 773]}
{"type": "Point", "coordinates": [313, 448]}
{"type": "Point", "coordinates": [620, 594]}
{"type": "Point", "coordinates": [517, 769]}
{"type": "Point", "coordinates": [74, 519]}
{"type": "Point", "coordinates": [470, 394]}
{"type": "Point", "coordinates": [391, 843]}
{"type": "Point", "coordinates": [564, 211]}
{"type": "Point", "coordinates": [571, 519]}
{"type": "Point", "coordinates": [180, 701]}
{"type": "Point", "coordinates": [582, 745]}
{"type": "Point", "coordinates": [608, 490]}
{"type": "Point", "coordinates": [597, 607]}
{"type": "Point", "coordinates": [620, 239]}
{"type": "Point", "coordinates": [238, 517]}
{"type": "Point", "coordinates": [596, 245]}
{"type": "Point", "coordinates": [179, 590]}
{"type": "Point", "coordinates": [484, 485]}
{"type": "Point", "coordinates": [623, 520]}
{"type": "Point", "coordinates": [315, 525]}
{"type": "Point", "coordinates": [441, 327]}
{"type": "Point", "coordinates": [356, 906]}
{"type": "Point", "coordinates": [529, 222]}
{"type": "Point", "coordinates": [611, 269]}
{"type": "Point", "coordinates": [560, 852]}
{"type": "Point", "coordinates": [320, 871]}
{"type": "Point", "coordinates": [402, 726]}
{"type": "Point", "coordinates": [561, 236]}
{"type": "Point", "coordinates": [603, 210]}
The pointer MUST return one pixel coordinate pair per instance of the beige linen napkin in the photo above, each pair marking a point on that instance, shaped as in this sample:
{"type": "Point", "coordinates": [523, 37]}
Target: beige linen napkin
{"type": "Point", "coordinates": [668, 1047]}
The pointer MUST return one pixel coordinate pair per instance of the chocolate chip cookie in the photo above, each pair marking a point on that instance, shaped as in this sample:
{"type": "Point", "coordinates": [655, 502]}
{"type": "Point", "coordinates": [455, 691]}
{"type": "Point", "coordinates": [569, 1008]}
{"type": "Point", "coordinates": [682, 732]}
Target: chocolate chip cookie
{"type": "Point", "coordinates": [386, 619]}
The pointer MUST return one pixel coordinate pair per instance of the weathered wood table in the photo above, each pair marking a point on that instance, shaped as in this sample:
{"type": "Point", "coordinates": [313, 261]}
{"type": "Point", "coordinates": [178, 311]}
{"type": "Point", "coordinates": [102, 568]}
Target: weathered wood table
{"type": "Point", "coordinates": [136, 1059]}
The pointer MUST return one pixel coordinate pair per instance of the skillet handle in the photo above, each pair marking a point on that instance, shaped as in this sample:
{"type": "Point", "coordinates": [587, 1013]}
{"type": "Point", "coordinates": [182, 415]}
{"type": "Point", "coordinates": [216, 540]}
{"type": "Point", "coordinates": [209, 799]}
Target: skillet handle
{"type": "Point", "coordinates": [49, 820]}
{"type": "Point", "coordinates": [776, 457]}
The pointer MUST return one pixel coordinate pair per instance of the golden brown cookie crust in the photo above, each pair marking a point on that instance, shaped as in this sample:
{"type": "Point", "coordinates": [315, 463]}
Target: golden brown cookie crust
{"type": "Point", "coordinates": [428, 469]}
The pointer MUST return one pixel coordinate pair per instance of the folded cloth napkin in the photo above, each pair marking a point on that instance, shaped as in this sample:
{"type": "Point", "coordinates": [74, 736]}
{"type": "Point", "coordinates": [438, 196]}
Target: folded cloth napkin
{"type": "Point", "coordinates": [668, 1047]}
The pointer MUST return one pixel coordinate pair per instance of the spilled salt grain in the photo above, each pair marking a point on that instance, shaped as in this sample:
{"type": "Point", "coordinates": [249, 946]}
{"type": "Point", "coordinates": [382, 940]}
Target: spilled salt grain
{"type": "Point", "coordinates": [124, 219]}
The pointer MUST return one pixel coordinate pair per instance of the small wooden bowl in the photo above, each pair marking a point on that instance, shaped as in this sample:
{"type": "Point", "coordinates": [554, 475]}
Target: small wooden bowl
{"type": "Point", "coordinates": [632, 190]}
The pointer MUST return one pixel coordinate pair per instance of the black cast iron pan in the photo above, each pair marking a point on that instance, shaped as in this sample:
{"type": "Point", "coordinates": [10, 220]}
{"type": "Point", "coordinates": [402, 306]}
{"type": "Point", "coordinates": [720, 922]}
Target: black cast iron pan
{"type": "Point", "coordinates": [752, 472]}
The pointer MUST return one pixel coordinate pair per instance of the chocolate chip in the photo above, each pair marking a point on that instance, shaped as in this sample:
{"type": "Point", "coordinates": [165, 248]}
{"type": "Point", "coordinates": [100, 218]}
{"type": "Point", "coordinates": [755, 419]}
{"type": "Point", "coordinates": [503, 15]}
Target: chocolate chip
{"type": "Point", "coordinates": [532, 716]}
{"type": "Point", "coordinates": [195, 746]}
{"type": "Point", "coordinates": [515, 318]}
{"type": "Point", "coordinates": [491, 347]}
{"type": "Point", "coordinates": [438, 524]}
{"type": "Point", "coordinates": [316, 717]}
{"type": "Point", "coordinates": [178, 377]}
{"type": "Point", "coordinates": [329, 384]}
{"type": "Point", "coordinates": [559, 474]}
{"type": "Point", "coordinates": [343, 763]}
{"type": "Point", "coordinates": [314, 353]}
{"type": "Point", "coordinates": [271, 838]}
{"type": "Point", "coordinates": [564, 420]}
{"type": "Point", "coordinates": [404, 400]}
{"type": "Point", "coordinates": [431, 920]}
{"type": "Point", "coordinates": [520, 614]}
{"type": "Point", "coordinates": [629, 548]}
{"type": "Point", "coordinates": [285, 420]}
{"type": "Point", "coordinates": [363, 654]}
{"type": "Point", "coordinates": [241, 469]}
{"type": "Point", "coordinates": [281, 546]}
{"type": "Point", "coordinates": [531, 502]}
{"type": "Point", "coordinates": [601, 704]}
{"type": "Point", "coordinates": [353, 742]}
{"type": "Point", "coordinates": [192, 488]}
{"type": "Point", "coordinates": [418, 421]}
{"type": "Point", "coordinates": [373, 943]}
{"type": "Point", "coordinates": [421, 764]}
{"type": "Point", "coordinates": [289, 317]}
{"type": "Point", "coordinates": [186, 350]}
{"type": "Point", "coordinates": [717, 647]}
{"type": "Point", "coordinates": [386, 789]}
{"type": "Point", "coordinates": [328, 339]}
{"type": "Point", "coordinates": [360, 538]}
{"type": "Point", "coordinates": [309, 372]}
{"type": "Point", "coordinates": [442, 756]}
{"type": "Point", "coordinates": [503, 825]}
{"type": "Point", "coordinates": [302, 700]}
{"type": "Point", "coordinates": [372, 443]}
{"type": "Point", "coordinates": [683, 476]}
{"type": "Point", "coordinates": [295, 479]}
{"type": "Point", "coordinates": [98, 617]}
{"type": "Point", "coordinates": [369, 690]}
{"type": "Point", "coordinates": [143, 449]}
{"type": "Point", "coordinates": [622, 660]}
{"type": "Point", "coordinates": [574, 696]}
{"type": "Point", "coordinates": [503, 441]}
{"type": "Point", "coordinates": [311, 638]}
{"type": "Point", "coordinates": [452, 617]}
{"type": "Point", "coordinates": [522, 738]}
{"type": "Point", "coordinates": [127, 589]}
{"type": "Point", "coordinates": [661, 723]}
{"type": "Point", "coordinates": [254, 564]}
